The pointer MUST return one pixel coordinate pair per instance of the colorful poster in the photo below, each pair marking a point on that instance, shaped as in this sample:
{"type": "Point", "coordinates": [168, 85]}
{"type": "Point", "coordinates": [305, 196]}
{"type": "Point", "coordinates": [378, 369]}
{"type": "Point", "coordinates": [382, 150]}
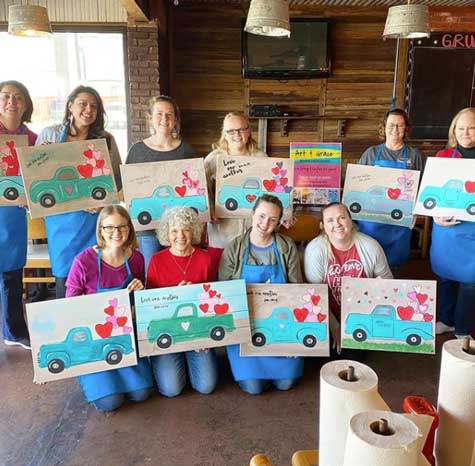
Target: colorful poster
{"type": "Point", "coordinates": [12, 191]}
{"type": "Point", "coordinates": [388, 315]}
{"type": "Point", "coordinates": [191, 317]}
{"type": "Point", "coordinates": [317, 172]}
{"type": "Point", "coordinates": [241, 180]}
{"type": "Point", "coordinates": [81, 335]}
{"type": "Point", "coordinates": [67, 177]}
{"type": "Point", "coordinates": [151, 188]}
{"type": "Point", "coordinates": [381, 195]}
{"type": "Point", "coordinates": [448, 189]}
{"type": "Point", "coordinates": [287, 320]}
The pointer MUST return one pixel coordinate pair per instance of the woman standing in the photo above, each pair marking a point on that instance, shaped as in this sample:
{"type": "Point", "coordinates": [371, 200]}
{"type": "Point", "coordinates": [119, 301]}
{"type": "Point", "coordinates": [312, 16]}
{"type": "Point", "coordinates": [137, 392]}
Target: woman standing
{"type": "Point", "coordinates": [164, 144]}
{"type": "Point", "coordinates": [182, 264]}
{"type": "Point", "coordinates": [456, 270]}
{"type": "Point", "coordinates": [16, 108]}
{"type": "Point", "coordinates": [112, 264]}
{"type": "Point", "coordinates": [70, 233]}
{"type": "Point", "coordinates": [263, 256]}
{"type": "Point", "coordinates": [393, 153]}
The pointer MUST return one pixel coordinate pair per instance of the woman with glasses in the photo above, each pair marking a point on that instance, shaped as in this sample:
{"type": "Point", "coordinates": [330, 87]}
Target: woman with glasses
{"type": "Point", "coordinates": [392, 153]}
{"type": "Point", "coordinates": [113, 263]}
{"type": "Point", "coordinates": [165, 143]}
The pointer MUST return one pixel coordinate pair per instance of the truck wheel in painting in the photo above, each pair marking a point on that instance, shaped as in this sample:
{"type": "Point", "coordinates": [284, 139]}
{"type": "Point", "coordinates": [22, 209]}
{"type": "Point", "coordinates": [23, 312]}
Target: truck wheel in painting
{"type": "Point", "coordinates": [231, 204]}
{"type": "Point", "coordinates": [471, 209]}
{"type": "Point", "coordinates": [144, 218]}
{"type": "Point", "coordinates": [258, 339]}
{"type": "Point", "coordinates": [429, 203]}
{"type": "Point", "coordinates": [413, 339]}
{"type": "Point", "coordinates": [396, 214]}
{"type": "Point", "coordinates": [11, 194]}
{"type": "Point", "coordinates": [114, 357]}
{"type": "Point", "coordinates": [164, 341]}
{"type": "Point", "coordinates": [355, 207]}
{"type": "Point", "coordinates": [217, 333]}
{"type": "Point", "coordinates": [55, 366]}
{"type": "Point", "coordinates": [309, 341]}
{"type": "Point", "coordinates": [360, 335]}
{"type": "Point", "coordinates": [47, 200]}
{"type": "Point", "coordinates": [98, 194]}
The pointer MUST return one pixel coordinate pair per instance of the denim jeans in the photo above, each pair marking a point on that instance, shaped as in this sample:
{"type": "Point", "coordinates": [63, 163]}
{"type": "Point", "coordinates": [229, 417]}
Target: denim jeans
{"type": "Point", "coordinates": [113, 402]}
{"type": "Point", "coordinates": [170, 371]}
{"type": "Point", "coordinates": [456, 305]}
{"type": "Point", "coordinates": [148, 246]}
{"type": "Point", "coordinates": [11, 290]}
{"type": "Point", "coordinates": [257, 386]}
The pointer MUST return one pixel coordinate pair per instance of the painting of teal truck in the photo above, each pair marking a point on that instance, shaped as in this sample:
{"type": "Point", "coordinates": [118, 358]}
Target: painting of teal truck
{"type": "Point", "coordinates": [80, 348]}
{"type": "Point", "coordinates": [186, 325]}
{"type": "Point", "coordinates": [11, 187]}
{"type": "Point", "coordinates": [67, 185]}
{"type": "Point", "coordinates": [147, 209]}
{"type": "Point", "coordinates": [452, 194]}
{"type": "Point", "coordinates": [281, 327]}
{"type": "Point", "coordinates": [382, 324]}
{"type": "Point", "coordinates": [245, 196]}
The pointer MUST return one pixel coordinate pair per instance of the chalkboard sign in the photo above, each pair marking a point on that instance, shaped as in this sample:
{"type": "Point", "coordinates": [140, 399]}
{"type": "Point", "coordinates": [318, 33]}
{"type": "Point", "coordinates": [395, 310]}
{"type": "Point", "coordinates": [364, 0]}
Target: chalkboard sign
{"type": "Point", "coordinates": [441, 82]}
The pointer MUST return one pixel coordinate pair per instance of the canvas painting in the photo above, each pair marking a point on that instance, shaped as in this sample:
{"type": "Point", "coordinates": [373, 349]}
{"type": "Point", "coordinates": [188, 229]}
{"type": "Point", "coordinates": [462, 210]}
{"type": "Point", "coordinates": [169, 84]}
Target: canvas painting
{"type": "Point", "coordinates": [191, 317]}
{"type": "Point", "coordinates": [241, 180]}
{"type": "Point", "coordinates": [381, 195]}
{"type": "Point", "coordinates": [388, 315]}
{"type": "Point", "coordinates": [81, 335]}
{"type": "Point", "coordinates": [287, 320]}
{"type": "Point", "coordinates": [12, 191]}
{"type": "Point", "coordinates": [67, 177]}
{"type": "Point", "coordinates": [151, 188]}
{"type": "Point", "coordinates": [448, 189]}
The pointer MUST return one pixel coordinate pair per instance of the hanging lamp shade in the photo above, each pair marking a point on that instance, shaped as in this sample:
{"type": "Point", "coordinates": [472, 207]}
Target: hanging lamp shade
{"type": "Point", "coordinates": [268, 18]}
{"type": "Point", "coordinates": [28, 20]}
{"type": "Point", "coordinates": [407, 22]}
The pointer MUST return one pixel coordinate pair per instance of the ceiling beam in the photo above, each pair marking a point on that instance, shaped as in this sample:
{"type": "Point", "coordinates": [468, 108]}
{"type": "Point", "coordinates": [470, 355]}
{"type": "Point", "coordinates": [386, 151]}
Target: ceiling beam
{"type": "Point", "coordinates": [135, 13]}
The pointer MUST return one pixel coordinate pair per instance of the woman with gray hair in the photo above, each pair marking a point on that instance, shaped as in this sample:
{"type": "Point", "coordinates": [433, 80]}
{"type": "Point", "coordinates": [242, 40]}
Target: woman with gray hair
{"type": "Point", "coordinates": [182, 264]}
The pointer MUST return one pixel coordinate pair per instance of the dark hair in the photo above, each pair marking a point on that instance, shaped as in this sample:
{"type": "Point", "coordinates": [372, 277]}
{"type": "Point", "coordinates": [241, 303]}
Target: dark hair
{"type": "Point", "coordinates": [172, 102]}
{"type": "Point", "coordinates": [397, 111]}
{"type": "Point", "coordinates": [26, 117]}
{"type": "Point", "coordinates": [271, 200]}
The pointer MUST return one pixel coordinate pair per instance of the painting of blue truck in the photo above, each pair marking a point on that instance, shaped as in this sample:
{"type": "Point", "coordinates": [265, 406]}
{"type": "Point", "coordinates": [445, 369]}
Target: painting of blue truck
{"type": "Point", "coordinates": [453, 194]}
{"type": "Point", "coordinates": [11, 188]}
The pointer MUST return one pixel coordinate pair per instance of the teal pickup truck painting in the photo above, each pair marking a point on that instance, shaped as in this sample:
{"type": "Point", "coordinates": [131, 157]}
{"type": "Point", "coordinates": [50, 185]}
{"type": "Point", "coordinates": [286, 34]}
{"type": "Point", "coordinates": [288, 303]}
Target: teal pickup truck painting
{"type": "Point", "coordinates": [454, 194]}
{"type": "Point", "coordinates": [281, 327]}
{"type": "Point", "coordinates": [382, 324]}
{"type": "Point", "coordinates": [147, 209]}
{"type": "Point", "coordinates": [80, 348]}
{"type": "Point", "coordinates": [11, 187]}
{"type": "Point", "coordinates": [186, 325]}
{"type": "Point", "coordinates": [245, 196]}
{"type": "Point", "coordinates": [67, 185]}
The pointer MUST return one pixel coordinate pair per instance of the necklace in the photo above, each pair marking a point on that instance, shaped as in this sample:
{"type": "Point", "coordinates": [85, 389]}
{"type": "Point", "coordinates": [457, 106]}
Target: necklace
{"type": "Point", "coordinates": [183, 270]}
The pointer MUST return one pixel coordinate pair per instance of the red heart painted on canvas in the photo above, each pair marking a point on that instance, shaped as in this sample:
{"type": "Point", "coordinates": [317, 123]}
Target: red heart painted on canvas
{"type": "Point", "coordinates": [321, 317]}
{"type": "Point", "coordinates": [206, 287]}
{"type": "Point", "coordinates": [470, 186]}
{"type": "Point", "coordinates": [100, 163]}
{"type": "Point", "coordinates": [68, 189]}
{"type": "Point", "coordinates": [121, 321]}
{"type": "Point", "coordinates": [394, 193]}
{"type": "Point", "coordinates": [422, 298]}
{"type": "Point", "coordinates": [300, 314]}
{"type": "Point", "coordinates": [428, 317]}
{"type": "Point", "coordinates": [315, 300]}
{"type": "Point", "coordinates": [204, 307]}
{"type": "Point", "coordinates": [221, 308]}
{"type": "Point", "coordinates": [212, 293]}
{"type": "Point", "coordinates": [405, 312]}
{"type": "Point", "coordinates": [85, 170]}
{"type": "Point", "coordinates": [104, 330]}
{"type": "Point", "coordinates": [269, 185]}
{"type": "Point", "coordinates": [283, 181]}
{"type": "Point", "coordinates": [88, 153]}
{"type": "Point", "coordinates": [109, 310]}
{"type": "Point", "coordinates": [180, 190]}
{"type": "Point", "coordinates": [218, 295]}
{"type": "Point", "coordinates": [250, 197]}
{"type": "Point", "coordinates": [276, 170]}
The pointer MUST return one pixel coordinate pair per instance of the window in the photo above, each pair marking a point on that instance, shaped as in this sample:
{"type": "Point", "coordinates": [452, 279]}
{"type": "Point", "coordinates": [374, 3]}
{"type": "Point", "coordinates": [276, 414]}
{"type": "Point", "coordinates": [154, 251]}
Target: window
{"type": "Point", "coordinates": [186, 311]}
{"type": "Point", "coordinates": [163, 192]}
{"type": "Point", "coordinates": [52, 67]}
{"type": "Point", "coordinates": [282, 316]}
{"type": "Point", "coordinates": [251, 184]}
{"type": "Point", "coordinates": [383, 311]}
{"type": "Point", "coordinates": [67, 175]}
{"type": "Point", "coordinates": [79, 337]}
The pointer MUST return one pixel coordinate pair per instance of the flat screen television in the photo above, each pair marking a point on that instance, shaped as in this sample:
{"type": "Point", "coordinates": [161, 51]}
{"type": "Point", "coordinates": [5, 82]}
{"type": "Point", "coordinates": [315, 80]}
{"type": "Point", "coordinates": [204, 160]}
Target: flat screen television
{"type": "Point", "coordinates": [304, 55]}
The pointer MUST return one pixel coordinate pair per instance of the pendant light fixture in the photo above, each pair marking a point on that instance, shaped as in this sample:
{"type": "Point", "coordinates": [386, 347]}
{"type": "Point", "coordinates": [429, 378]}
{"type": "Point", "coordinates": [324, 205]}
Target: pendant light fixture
{"type": "Point", "coordinates": [28, 20]}
{"type": "Point", "coordinates": [268, 18]}
{"type": "Point", "coordinates": [409, 21]}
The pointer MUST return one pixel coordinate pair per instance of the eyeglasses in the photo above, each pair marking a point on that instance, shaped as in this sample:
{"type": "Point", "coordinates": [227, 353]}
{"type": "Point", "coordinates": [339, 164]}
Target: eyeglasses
{"type": "Point", "coordinates": [232, 132]}
{"type": "Point", "coordinates": [396, 127]}
{"type": "Point", "coordinates": [111, 228]}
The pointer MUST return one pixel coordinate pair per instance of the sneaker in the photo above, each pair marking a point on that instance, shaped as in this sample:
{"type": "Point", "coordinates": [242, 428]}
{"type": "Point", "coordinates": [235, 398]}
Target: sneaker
{"type": "Point", "coordinates": [440, 328]}
{"type": "Point", "coordinates": [23, 342]}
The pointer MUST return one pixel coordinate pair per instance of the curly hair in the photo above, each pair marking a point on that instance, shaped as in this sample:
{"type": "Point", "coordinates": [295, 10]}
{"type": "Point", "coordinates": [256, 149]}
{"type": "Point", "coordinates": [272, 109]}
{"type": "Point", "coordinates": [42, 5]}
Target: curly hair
{"type": "Point", "coordinates": [452, 142]}
{"type": "Point", "coordinates": [118, 210]}
{"type": "Point", "coordinates": [179, 217]}
{"type": "Point", "coordinates": [222, 144]}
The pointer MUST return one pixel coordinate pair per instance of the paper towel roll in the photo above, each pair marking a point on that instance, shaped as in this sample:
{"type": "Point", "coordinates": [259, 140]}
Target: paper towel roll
{"type": "Point", "coordinates": [339, 401]}
{"type": "Point", "coordinates": [364, 447]}
{"type": "Point", "coordinates": [456, 406]}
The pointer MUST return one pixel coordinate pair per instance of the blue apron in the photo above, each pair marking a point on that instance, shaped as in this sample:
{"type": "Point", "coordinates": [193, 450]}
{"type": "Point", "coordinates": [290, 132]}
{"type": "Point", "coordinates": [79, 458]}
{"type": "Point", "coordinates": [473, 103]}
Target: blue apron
{"type": "Point", "coordinates": [395, 240]}
{"type": "Point", "coordinates": [263, 367]}
{"type": "Point", "coordinates": [13, 238]}
{"type": "Point", "coordinates": [452, 252]}
{"type": "Point", "coordinates": [115, 381]}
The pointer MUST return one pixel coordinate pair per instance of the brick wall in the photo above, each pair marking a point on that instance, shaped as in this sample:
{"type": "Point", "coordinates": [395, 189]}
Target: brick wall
{"type": "Point", "coordinates": [143, 69]}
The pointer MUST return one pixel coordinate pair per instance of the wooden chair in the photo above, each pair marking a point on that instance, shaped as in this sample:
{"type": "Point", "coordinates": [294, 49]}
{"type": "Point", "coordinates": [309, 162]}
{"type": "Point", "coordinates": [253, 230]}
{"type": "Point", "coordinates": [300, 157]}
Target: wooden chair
{"type": "Point", "coordinates": [37, 258]}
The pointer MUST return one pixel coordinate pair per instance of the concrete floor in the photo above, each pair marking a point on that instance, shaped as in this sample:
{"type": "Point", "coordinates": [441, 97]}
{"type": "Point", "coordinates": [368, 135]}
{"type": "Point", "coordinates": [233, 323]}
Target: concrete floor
{"type": "Point", "coordinates": [51, 424]}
